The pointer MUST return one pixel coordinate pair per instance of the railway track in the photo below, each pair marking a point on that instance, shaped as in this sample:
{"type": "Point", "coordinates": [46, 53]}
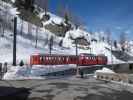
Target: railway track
{"type": "Point", "coordinates": [118, 68]}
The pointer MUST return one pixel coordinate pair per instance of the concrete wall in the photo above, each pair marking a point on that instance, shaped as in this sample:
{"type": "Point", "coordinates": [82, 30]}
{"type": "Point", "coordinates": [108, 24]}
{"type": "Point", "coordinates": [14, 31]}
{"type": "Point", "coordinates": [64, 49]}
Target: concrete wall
{"type": "Point", "coordinates": [112, 77]}
{"type": "Point", "coordinates": [123, 68]}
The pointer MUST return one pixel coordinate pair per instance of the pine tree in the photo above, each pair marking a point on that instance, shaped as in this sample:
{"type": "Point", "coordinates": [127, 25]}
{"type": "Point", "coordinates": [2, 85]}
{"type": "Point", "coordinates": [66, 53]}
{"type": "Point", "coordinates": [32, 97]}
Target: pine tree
{"type": "Point", "coordinates": [123, 39]}
{"type": "Point", "coordinates": [63, 11]}
{"type": "Point", "coordinates": [115, 44]}
{"type": "Point", "coordinates": [28, 4]}
{"type": "Point", "coordinates": [60, 43]}
{"type": "Point", "coordinates": [21, 63]}
{"type": "Point", "coordinates": [108, 34]}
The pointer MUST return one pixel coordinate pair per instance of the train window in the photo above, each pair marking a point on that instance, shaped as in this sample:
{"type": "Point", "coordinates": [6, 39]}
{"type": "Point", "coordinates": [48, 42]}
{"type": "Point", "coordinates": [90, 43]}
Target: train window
{"type": "Point", "coordinates": [41, 58]}
{"type": "Point", "coordinates": [51, 58]}
{"type": "Point", "coordinates": [59, 59]}
{"type": "Point", "coordinates": [71, 58]}
{"type": "Point", "coordinates": [67, 58]}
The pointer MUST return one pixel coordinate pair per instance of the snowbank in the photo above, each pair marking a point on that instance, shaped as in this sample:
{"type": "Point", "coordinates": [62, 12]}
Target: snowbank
{"type": "Point", "coordinates": [105, 70]}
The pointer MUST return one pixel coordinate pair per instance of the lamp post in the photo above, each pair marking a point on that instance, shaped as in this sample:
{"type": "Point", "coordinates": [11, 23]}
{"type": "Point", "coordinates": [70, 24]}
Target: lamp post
{"type": "Point", "coordinates": [14, 41]}
{"type": "Point", "coordinates": [13, 12]}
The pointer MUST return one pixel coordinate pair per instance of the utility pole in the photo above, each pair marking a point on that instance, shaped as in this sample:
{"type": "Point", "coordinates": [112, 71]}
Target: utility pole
{"type": "Point", "coordinates": [22, 22]}
{"type": "Point", "coordinates": [77, 68]}
{"type": "Point", "coordinates": [111, 54]}
{"type": "Point", "coordinates": [36, 37]}
{"type": "Point", "coordinates": [14, 41]}
{"type": "Point", "coordinates": [50, 44]}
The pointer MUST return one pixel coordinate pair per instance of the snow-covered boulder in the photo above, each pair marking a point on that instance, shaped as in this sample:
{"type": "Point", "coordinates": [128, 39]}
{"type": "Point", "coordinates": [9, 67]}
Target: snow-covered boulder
{"type": "Point", "coordinates": [105, 70]}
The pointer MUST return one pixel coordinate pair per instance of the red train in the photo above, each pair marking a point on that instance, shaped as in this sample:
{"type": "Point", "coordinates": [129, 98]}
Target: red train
{"type": "Point", "coordinates": [55, 59]}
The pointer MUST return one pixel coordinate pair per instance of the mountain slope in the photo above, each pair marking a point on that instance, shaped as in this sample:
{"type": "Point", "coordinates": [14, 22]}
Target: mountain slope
{"type": "Point", "coordinates": [28, 33]}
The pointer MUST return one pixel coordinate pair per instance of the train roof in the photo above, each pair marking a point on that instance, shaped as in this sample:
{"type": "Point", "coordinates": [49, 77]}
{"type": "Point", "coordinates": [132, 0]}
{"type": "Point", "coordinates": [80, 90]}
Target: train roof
{"type": "Point", "coordinates": [87, 54]}
{"type": "Point", "coordinates": [53, 54]}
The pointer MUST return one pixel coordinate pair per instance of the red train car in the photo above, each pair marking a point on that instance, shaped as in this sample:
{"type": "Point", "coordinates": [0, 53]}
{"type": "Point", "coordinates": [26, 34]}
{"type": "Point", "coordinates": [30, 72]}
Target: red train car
{"type": "Point", "coordinates": [55, 59]}
{"type": "Point", "coordinates": [91, 59]}
{"type": "Point", "coordinates": [87, 59]}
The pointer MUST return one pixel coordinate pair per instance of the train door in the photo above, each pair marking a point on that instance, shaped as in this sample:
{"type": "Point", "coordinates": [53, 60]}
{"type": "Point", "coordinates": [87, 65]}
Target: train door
{"type": "Point", "coordinates": [35, 60]}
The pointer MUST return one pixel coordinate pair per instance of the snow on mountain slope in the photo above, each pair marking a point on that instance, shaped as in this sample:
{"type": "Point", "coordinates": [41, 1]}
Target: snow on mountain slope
{"type": "Point", "coordinates": [100, 48]}
{"type": "Point", "coordinates": [26, 45]}
{"type": "Point", "coordinates": [26, 42]}
{"type": "Point", "coordinates": [53, 18]}
{"type": "Point", "coordinates": [75, 33]}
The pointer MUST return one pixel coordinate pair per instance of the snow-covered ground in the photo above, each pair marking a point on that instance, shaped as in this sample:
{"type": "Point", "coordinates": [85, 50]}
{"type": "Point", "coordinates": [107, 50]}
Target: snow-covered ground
{"type": "Point", "coordinates": [28, 72]}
